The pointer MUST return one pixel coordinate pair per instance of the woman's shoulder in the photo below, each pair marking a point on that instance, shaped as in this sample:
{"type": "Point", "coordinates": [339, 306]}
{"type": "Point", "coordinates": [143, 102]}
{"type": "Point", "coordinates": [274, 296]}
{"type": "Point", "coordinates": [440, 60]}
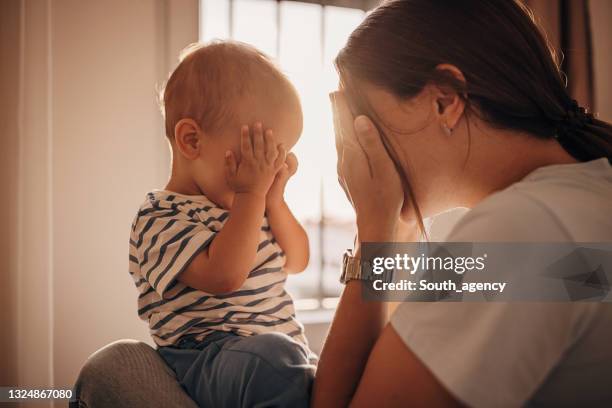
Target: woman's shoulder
{"type": "Point", "coordinates": [507, 216]}
{"type": "Point", "coordinates": [555, 203]}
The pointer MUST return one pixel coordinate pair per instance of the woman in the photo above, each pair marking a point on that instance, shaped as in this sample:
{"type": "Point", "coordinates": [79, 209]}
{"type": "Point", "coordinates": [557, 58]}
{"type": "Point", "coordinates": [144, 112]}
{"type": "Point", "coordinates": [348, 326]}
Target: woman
{"type": "Point", "coordinates": [447, 104]}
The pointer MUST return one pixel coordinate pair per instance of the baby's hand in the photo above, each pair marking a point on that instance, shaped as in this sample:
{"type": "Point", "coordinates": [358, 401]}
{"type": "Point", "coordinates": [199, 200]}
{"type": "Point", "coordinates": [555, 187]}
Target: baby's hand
{"type": "Point", "coordinates": [277, 190]}
{"type": "Point", "coordinates": [259, 163]}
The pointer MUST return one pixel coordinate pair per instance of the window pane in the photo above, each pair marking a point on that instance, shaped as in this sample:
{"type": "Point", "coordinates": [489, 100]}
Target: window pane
{"type": "Point", "coordinates": [214, 19]}
{"type": "Point", "coordinates": [300, 59]}
{"type": "Point", "coordinates": [304, 38]}
{"type": "Point", "coordinates": [339, 23]}
{"type": "Point", "coordinates": [254, 22]}
{"type": "Point", "coordinates": [338, 228]}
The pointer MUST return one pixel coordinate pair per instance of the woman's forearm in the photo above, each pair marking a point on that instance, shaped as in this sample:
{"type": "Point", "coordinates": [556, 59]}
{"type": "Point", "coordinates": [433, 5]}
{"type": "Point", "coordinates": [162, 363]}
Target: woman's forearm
{"type": "Point", "coordinates": [369, 177]}
{"type": "Point", "coordinates": [356, 326]}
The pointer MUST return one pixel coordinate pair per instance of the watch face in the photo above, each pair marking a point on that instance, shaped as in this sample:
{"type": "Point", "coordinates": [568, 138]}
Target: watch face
{"type": "Point", "coordinates": [345, 267]}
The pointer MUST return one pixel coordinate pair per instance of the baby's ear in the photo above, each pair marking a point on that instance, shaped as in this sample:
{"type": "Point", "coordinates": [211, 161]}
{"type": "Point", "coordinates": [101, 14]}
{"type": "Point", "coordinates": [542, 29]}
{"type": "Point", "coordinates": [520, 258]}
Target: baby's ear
{"type": "Point", "coordinates": [187, 138]}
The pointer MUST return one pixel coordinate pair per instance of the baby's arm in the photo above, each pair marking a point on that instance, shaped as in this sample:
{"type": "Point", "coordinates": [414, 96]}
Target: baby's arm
{"type": "Point", "coordinates": [225, 264]}
{"type": "Point", "coordinates": [288, 232]}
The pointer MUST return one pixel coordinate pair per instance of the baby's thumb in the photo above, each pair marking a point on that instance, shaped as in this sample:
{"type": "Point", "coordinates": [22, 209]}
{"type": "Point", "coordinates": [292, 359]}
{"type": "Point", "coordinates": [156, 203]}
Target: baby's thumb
{"type": "Point", "coordinates": [282, 176]}
{"type": "Point", "coordinates": [292, 164]}
{"type": "Point", "coordinates": [231, 167]}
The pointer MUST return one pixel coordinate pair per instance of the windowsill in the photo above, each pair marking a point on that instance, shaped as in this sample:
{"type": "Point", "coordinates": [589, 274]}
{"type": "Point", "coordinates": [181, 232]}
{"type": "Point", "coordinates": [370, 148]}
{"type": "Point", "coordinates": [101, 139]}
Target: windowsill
{"type": "Point", "coordinates": [316, 316]}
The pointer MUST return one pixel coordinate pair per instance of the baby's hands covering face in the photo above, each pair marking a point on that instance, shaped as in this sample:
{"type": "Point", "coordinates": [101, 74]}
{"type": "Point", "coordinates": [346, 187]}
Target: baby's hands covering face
{"type": "Point", "coordinates": [277, 190]}
{"type": "Point", "coordinates": [260, 161]}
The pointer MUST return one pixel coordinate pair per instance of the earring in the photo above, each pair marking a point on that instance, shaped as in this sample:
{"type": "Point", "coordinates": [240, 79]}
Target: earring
{"type": "Point", "coordinates": [447, 130]}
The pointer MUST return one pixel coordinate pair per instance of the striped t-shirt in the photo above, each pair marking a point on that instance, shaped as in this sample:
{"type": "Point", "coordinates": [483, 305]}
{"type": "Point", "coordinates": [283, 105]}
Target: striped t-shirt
{"type": "Point", "coordinates": [169, 230]}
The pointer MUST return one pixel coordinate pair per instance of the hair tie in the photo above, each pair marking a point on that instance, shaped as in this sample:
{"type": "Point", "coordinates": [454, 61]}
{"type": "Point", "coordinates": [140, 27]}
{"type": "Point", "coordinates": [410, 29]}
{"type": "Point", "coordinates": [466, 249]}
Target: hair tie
{"type": "Point", "coordinates": [575, 117]}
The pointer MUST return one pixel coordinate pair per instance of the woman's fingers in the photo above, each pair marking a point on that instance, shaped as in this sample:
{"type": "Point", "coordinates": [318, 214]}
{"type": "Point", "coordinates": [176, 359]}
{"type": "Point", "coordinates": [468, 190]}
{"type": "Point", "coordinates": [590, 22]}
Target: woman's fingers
{"type": "Point", "coordinates": [350, 152]}
{"type": "Point", "coordinates": [336, 122]}
{"type": "Point", "coordinates": [368, 136]}
{"type": "Point", "coordinates": [369, 140]}
{"type": "Point", "coordinates": [341, 113]}
{"type": "Point", "coordinates": [258, 142]}
{"type": "Point", "coordinates": [365, 170]}
{"type": "Point", "coordinates": [345, 189]}
{"type": "Point", "coordinates": [343, 119]}
{"type": "Point", "coordinates": [246, 148]}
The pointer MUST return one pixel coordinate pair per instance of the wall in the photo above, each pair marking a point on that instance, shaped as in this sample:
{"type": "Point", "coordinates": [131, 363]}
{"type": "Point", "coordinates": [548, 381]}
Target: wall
{"type": "Point", "coordinates": [107, 58]}
{"type": "Point", "coordinates": [9, 128]}
{"type": "Point", "coordinates": [601, 16]}
{"type": "Point", "coordinates": [82, 142]}
{"type": "Point", "coordinates": [107, 144]}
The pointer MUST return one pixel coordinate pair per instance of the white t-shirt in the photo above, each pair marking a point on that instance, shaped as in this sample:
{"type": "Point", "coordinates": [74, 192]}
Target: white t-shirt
{"type": "Point", "coordinates": [525, 354]}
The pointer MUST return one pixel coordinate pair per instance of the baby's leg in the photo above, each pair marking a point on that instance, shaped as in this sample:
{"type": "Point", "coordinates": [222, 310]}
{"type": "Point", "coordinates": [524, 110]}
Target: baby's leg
{"type": "Point", "coordinates": [257, 371]}
{"type": "Point", "coordinates": [275, 371]}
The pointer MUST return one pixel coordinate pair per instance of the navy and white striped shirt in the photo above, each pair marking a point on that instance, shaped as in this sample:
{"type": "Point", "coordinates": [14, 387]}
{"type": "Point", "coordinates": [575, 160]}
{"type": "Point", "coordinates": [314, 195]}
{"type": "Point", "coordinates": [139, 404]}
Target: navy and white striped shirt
{"type": "Point", "coordinates": [168, 232]}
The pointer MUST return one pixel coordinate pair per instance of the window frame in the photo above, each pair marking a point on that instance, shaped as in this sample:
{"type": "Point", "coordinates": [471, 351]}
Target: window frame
{"type": "Point", "coordinates": [322, 296]}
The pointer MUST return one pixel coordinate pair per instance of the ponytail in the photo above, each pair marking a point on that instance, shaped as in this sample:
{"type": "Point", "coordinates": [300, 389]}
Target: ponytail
{"type": "Point", "coordinates": [582, 135]}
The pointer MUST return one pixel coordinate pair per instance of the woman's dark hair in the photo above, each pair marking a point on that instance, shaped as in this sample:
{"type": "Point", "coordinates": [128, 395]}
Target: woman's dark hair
{"type": "Point", "coordinates": [512, 76]}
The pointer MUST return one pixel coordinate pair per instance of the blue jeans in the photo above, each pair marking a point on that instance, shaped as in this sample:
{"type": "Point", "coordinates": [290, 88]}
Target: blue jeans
{"type": "Point", "coordinates": [227, 370]}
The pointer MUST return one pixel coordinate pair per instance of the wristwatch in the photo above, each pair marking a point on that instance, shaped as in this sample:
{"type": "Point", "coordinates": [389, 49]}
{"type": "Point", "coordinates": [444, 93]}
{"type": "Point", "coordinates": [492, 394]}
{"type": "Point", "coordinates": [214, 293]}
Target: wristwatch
{"type": "Point", "coordinates": [351, 268]}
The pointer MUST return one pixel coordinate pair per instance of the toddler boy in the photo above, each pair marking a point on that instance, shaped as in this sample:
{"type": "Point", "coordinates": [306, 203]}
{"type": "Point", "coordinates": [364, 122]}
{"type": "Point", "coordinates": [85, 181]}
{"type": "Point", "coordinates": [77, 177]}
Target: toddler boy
{"type": "Point", "coordinates": [210, 253]}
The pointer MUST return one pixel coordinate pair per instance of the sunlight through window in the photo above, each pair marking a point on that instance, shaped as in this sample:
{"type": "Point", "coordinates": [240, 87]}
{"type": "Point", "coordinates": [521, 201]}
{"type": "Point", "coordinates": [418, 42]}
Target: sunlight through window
{"type": "Point", "coordinates": [303, 39]}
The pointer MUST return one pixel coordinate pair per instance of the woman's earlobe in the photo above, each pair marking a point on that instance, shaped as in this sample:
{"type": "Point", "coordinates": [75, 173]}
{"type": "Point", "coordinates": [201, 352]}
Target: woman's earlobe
{"type": "Point", "coordinates": [449, 108]}
{"type": "Point", "coordinates": [447, 129]}
{"type": "Point", "coordinates": [451, 98]}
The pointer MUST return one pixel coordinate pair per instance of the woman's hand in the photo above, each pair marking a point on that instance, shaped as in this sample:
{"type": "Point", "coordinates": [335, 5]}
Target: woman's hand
{"type": "Point", "coordinates": [366, 173]}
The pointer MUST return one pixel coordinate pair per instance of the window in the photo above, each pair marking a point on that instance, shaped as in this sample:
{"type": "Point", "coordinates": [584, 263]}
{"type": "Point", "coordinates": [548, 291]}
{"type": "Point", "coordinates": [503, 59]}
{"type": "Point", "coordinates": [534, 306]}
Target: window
{"type": "Point", "coordinates": [303, 38]}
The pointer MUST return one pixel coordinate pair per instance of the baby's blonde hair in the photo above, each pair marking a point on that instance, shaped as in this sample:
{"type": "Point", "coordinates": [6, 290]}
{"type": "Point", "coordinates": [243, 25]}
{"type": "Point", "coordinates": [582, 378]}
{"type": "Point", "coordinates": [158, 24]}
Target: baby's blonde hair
{"type": "Point", "coordinates": [211, 79]}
